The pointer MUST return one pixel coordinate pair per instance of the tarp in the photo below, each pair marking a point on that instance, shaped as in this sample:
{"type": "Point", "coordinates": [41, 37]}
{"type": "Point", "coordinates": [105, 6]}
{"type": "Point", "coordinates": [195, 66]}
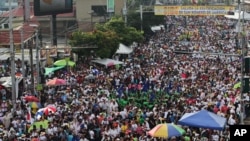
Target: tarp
{"type": "Point", "coordinates": [236, 16]}
{"type": "Point", "coordinates": [124, 49]}
{"type": "Point", "coordinates": [50, 70]}
{"type": "Point", "coordinates": [107, 62]}
{"type": "Point", "coordinates": [203, 119]}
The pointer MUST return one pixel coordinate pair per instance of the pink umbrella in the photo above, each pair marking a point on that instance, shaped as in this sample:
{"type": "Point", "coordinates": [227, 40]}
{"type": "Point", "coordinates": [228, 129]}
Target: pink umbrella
{"type": "Point", "coordinates": [56, 82]}
{"type": "Point", "coordinates": [110, 64]}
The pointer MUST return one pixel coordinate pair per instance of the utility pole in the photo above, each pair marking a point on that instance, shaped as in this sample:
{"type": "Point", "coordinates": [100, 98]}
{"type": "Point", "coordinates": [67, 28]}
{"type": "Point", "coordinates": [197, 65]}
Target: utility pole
{"type": "Point", "coordinates": [141, 15]}
{"type": "Point", "coordinates": [125, 12]}
{"type": "Point", "coordinates": [12, 58]}
{"type": "Point", "coordinates": [22, 51]}
{"type": "Point", "coordinates": [241, 44]}
{"type": "Point", "coordinates": [37, 59]}
{"type": "Point", "coordinates": [31, 45]}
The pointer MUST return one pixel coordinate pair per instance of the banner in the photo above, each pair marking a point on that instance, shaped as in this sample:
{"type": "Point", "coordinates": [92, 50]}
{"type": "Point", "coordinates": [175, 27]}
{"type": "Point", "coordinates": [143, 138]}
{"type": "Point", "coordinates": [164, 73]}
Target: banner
{"type": "Point", "coordinates": [43, 54]}
{"type": "Point", "coordinates": [110, 6]}
{"type": "Point", "coordinates": [67, 51]}
{"type": "Point", "coordinates": [193, 10]}
{"type": "Point", "coordinates": [53, 52]}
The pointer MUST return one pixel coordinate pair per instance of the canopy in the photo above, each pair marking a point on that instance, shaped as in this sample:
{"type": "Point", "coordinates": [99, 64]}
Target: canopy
{"type": "Point", "coordinates": [107, 62]}
{"type": "Point", "coordinates": [203, 119]}
{"type": "Point", "coordinates": [64, 62]}
{"type": "Point", "coordinates": [50, 70]}
{"type": "Point", "coordinates": [124, 49]}
{"type": "Point", "coordinates": [236, 16]}
{"type": "Point", "coordinates": [157, 28]}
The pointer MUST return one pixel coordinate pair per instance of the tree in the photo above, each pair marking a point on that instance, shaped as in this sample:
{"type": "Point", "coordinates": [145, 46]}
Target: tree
{"type": "Point", "coordinates": [106, 37]}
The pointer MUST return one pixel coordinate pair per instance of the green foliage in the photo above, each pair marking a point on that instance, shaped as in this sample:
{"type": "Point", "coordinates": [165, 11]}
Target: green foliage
{"type": "Point", "coordinates": [106, 37]}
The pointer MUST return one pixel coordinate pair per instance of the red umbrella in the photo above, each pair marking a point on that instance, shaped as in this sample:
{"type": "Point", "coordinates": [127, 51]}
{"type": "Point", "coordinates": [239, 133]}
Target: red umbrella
{"type": "Point", "coordinates": [110, 64]}
{"type": "Point", "coordinates": [56, 82]}
{"type": "Point", "coordinates": [31, 99]}
{"type": "Point", "coordinates": [49, 109]}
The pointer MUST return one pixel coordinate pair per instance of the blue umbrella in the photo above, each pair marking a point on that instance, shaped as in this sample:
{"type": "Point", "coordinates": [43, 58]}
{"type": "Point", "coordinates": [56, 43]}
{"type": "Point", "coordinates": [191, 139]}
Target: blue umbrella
{"type": "Point", "coordinates": [203, 119]}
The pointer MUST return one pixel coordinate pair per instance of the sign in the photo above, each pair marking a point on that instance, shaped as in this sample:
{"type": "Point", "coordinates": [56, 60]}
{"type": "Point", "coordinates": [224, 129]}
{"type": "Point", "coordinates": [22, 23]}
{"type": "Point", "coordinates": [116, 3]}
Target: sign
{"type": "Point", "coordinates": [67, 51]}
{"type": "Point", "coordinates": [110, 6]}
{"type": "Point", "coordinates": [53, 52]}
{"type": "Point", "coordinates": [238, 132]}
{"type": "Point", "coordinates": [193, 10]}
{"type": "Point", "coordinates": [43, 54]}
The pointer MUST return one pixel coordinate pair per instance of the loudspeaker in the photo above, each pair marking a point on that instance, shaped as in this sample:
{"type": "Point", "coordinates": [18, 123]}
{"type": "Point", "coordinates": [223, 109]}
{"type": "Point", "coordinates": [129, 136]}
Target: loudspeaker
{"type": "Point", "coordinates": [245, 84]}
{"type": "Point", "coordinates": [247, 64]}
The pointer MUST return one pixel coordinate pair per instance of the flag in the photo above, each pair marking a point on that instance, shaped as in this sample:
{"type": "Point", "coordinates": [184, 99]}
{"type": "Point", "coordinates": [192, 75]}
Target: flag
{"type": "Point", "coordinates": [120, 90]}
{"type": "Point", "coordinates": [28, 116]}
{"type": "Point", "coordinates": [145, 86]}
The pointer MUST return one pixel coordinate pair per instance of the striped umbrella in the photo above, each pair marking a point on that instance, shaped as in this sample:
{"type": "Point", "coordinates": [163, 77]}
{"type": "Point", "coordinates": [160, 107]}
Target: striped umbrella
{"type": "Point", "coordinates": [166, 130]}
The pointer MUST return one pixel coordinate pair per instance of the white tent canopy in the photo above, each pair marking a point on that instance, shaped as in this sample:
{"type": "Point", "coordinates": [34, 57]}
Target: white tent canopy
{"type": "Point", "coordinates": [157, 28]}
{"type": "Point", "coordinates": [124, 49]}
{"type": "Point", "coordinates": [243, 15]}
{"type": "Point", "coordinates": [107, 62]}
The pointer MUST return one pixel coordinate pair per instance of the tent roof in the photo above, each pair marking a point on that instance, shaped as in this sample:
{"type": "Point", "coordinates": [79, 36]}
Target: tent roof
{"type": "Point", "coordinates": [124, 49]}
{"type": "Point", "coordinates": [203, 119]}
{"type": "Point", "coordinates": [107, 61]}
{"type": "Point", "coordinates": [246, 15]}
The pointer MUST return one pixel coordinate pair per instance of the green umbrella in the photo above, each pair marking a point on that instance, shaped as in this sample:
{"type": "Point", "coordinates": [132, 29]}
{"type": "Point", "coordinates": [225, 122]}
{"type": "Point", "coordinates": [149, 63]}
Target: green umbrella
{"type": "Point", "coordinates": [64, 62]}
{"type": "Point", "coordinates": [44, 124]}
{"type": "Point", "coordinates": [237, 85]}
{"type": "Point", "coordinates": [50, 70]}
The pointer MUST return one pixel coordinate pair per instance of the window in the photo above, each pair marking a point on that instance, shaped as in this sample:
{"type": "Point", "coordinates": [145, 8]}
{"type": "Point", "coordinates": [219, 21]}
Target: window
{"type": "Point", "coordinates": [99, 10]}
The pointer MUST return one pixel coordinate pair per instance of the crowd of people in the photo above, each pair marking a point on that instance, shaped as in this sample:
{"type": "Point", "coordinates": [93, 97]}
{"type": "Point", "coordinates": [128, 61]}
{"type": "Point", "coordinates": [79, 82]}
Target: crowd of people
{"type": "Point", "coordinates": [155, 85]}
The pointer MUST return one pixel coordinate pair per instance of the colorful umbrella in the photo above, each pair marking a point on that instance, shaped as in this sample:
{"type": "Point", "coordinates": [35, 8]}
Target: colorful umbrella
{"type": "Point", "coordinates": [56, 82]}
{"type": "Point", "coordinates": [47, 110]}
{"type": "Point", "coordinates": [64, 62]}
{"type": "Point", "coordinates": [31, 99]}
{"type": "Point", "coordinates": [34, 105]}
{"type": "Point", "coordinates": [166, 130]}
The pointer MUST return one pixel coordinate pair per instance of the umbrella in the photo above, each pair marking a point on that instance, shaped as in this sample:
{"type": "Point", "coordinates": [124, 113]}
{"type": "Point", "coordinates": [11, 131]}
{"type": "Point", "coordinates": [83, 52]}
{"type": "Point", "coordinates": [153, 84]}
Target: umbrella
{"type": "Point", "coordinates": [56, 82]}
{"type": "Point", "coordinates": [50, 70]}
{"type": "Point", "coordinates": [38, 124]}
{"type": "Point", "coordinates": [47, 110]}
{"type": "Point", "coordinates": [64, 62]}
{"type": "Point", "coordinates": [34, 105]}
{"type": "Point", "coordinates": [166, 130]}
{"type": "Point", "coordinates": [203, 119]}
{"type": "Point", "coordinates": [110, 64]}
{"type": "Point", "coordinates": [237, 85]}
{"type": "Point", "coordinates": [31, 99]}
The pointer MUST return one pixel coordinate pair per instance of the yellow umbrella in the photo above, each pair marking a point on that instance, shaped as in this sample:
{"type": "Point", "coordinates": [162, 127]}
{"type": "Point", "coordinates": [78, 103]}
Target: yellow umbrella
{"type": "Point", "coordinates": [237, 85]}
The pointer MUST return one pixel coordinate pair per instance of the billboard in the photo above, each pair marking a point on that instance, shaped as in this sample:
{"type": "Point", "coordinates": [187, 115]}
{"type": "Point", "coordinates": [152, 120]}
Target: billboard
{"type": "Point", "coordinates": [193, 10]}
{"type": "Point", "coordinates": [50, 7]}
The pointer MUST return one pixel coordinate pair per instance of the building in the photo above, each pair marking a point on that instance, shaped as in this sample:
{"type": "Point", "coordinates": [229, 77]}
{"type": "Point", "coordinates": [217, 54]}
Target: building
{"type": "Point", "coordinates": [89, 12]}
